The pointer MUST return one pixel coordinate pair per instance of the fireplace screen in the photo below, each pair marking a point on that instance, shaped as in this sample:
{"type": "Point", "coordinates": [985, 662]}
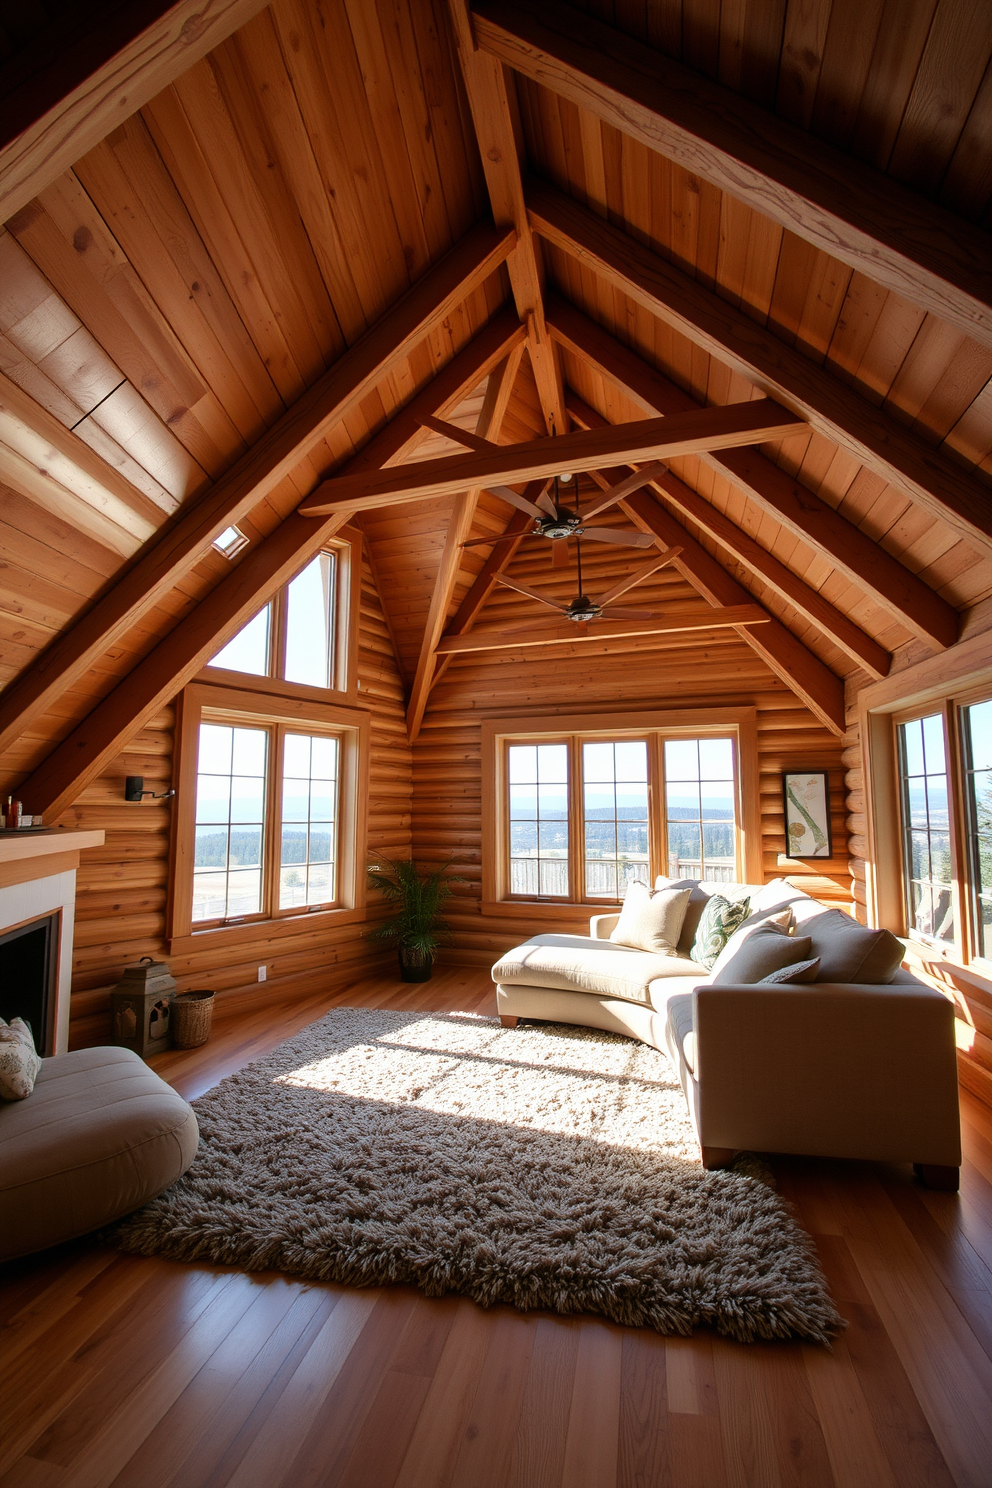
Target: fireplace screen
{"type": "Point", "coordinates": [29, 956]}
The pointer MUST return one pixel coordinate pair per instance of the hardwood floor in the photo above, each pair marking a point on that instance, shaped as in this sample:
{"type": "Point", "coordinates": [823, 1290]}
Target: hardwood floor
{"type": "Point", "coordinates": [146, 1374]}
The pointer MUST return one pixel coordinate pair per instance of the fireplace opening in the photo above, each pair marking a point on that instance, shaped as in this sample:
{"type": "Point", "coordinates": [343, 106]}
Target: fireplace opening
{"type": "Point", "coordinates": [29, 959]}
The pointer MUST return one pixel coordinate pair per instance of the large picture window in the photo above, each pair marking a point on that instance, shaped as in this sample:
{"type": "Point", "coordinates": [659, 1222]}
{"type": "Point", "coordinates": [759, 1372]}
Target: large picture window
{"type": "Point", "coordinates": [270, 818]}
{"type": "Point", "coordinates": [576, 815]}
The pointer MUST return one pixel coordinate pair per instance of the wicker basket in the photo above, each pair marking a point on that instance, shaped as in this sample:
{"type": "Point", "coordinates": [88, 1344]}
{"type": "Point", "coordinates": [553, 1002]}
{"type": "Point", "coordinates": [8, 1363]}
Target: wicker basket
{"type": "Point", "coordinates": [192, 1013]}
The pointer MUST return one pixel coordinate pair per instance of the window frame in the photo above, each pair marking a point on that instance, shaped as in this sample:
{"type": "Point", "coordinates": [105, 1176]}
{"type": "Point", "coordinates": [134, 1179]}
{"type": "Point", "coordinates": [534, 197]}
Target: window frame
{"type": "Point", "coordinates": [886, 873]}
{"type": "Point", "coordinates": [347, 549]}
{"type": "Point", "coordinates": [216, 702]}
{"type": "Point", "coordinates": [946, 710]}
{"type": "Point", "coordinates": [498, 733]}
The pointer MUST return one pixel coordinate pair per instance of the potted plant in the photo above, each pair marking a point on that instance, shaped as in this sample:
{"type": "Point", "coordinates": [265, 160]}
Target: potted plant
{"type": "Point", "coordinates": [416, 929]}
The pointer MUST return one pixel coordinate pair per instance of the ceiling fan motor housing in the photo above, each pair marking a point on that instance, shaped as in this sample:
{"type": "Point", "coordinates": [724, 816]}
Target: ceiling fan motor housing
{"type": "Point", "coordinates": [560, 526]}
{"type": "Point", "coordinates": [583, 608]}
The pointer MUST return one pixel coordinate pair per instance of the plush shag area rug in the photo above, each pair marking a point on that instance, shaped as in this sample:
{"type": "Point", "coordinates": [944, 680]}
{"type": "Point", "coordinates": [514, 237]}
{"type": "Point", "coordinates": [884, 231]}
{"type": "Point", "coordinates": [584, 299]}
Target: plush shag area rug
{"type": "Point", "coordinates": [544, 1166]}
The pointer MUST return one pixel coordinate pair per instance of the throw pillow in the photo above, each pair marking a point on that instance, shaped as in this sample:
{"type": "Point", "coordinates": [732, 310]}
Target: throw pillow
{"type": "Point", "coordinates": [693, 910]}
{"type": "Point", "coordinates": [651, 921]}
{"type": "Point", "coordinates": [779, 920]}
{"type": "Point", "coordinates": [850, 952]}
{"type": "Point", "coordinates": [717, 924]}
{"type": "Point", "coordinates": [764, 950]}
{"type": "Point", "coordinates": [19, 1061]}
{"type": "Point", "coordinates": [800, 971]}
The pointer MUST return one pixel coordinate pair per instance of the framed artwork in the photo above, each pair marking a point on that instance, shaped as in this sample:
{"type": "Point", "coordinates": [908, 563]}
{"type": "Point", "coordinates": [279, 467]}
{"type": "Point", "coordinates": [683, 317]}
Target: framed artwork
{"type": "Point", "coordinates": [807, 813]}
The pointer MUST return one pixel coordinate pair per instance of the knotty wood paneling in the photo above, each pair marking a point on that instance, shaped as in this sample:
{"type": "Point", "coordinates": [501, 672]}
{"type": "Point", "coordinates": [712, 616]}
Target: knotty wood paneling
{"type": "Point", "coordinates": [122, 886]}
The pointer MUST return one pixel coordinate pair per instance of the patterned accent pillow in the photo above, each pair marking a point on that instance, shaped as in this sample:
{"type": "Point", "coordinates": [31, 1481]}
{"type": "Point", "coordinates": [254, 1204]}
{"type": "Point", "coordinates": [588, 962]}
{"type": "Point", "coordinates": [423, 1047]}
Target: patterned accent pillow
{"type": "Point", "coordinates": [19, 1062]}
{"type": "Point", "coordinates": [799, 971]}
{"type": "Point", "coordinates": [717, 924]}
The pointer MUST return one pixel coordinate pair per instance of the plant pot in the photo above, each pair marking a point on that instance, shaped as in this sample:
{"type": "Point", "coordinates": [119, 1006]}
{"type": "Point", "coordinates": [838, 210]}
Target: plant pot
{"type": "Point", "coordinates": [415, 966]}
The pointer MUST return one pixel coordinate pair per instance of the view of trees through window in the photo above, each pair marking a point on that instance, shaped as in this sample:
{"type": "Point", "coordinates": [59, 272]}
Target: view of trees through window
{"type": "Point", "coordinates": [926, 827]}
{"type": "Point", "coordinates": [611, 801]}
{"type": "Point", "coordinates": [699, 808]}
{"type": "Point", "coordinates": [235, 853]}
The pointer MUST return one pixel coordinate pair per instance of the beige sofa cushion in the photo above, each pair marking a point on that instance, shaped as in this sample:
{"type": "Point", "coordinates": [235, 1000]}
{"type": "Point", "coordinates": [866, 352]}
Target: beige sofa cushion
{"type": "Point", "coordinates": [100, 1135]}
{"type": "Point", "coordinates": [651, 919]}
{"type": "Point", "coordinates": [577, 963]}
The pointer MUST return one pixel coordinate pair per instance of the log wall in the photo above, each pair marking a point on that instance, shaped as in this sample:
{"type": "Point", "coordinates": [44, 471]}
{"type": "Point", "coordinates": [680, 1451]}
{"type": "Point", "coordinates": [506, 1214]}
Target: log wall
{"type": "Point", "coordinates": [600, 680]}
{"type": "Point", "coordinates": [121, 887]}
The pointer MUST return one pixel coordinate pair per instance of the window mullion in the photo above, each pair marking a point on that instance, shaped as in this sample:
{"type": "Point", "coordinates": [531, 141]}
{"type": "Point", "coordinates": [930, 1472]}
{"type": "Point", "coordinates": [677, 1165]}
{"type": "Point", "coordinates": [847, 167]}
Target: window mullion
{"type": "Point", "coordinates": [273, 829]}
{"type": "Point", "coordinates": [576, 828]}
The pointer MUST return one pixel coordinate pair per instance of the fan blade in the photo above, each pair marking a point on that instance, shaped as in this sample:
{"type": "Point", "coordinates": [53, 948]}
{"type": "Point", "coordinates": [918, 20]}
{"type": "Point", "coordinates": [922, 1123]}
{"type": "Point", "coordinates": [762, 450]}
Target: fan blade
{"type": "Point", "coordinates": [520, 502]}
{"type": "Point", "coordinates": [541, 497]}
{"type": "Point", "coordinates": [460, 436]}
{"type": "Point", "coordinates": [481, 542]}
{"type": "Point", "coordinates": [531, 594]}
{"type": "Point", "coordinates": [637, 578]}
{"type": "Point", "coordinates": [623, 538]}
{"type": "Point", "coordinates": [622, 614]}
{"type": "Point", "coordinates": [559, 553]}
{"type": "Point", "coordinates": [623, 488]}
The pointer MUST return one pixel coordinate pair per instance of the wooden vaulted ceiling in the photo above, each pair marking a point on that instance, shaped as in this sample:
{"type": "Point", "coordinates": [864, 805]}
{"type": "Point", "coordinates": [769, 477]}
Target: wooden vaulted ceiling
{"type": "Point", "coordinates": [329, 219]}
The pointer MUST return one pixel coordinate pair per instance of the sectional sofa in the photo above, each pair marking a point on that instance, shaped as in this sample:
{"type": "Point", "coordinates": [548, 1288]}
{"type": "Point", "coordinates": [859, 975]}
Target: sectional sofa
{"type": "Point", "coordinates": [852, 1068]}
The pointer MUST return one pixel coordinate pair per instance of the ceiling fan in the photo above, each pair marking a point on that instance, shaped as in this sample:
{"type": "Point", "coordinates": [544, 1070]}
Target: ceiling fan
{"type": "Point", "coordinates": [558, 521]}
{"type": "Point", "coordinates": [582, 610]}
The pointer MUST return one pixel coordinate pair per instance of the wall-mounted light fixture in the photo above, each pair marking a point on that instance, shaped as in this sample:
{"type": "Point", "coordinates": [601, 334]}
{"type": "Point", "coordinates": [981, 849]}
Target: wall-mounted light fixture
{"type": "Point", "coordinates": [134, 790]}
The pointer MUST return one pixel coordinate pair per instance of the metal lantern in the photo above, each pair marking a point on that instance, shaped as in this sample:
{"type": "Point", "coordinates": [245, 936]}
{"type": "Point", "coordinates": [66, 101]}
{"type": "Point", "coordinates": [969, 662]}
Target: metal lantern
{"type": "Point", "coordinates": [141, 1007]}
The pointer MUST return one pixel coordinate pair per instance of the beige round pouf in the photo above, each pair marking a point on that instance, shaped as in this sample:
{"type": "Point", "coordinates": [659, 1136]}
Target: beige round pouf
{"type": "Point", "coordinates": [100, 1135]}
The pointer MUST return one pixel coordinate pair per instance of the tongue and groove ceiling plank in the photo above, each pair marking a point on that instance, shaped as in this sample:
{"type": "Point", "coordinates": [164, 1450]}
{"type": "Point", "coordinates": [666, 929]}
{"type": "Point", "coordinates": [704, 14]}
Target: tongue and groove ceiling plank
{"type": "Point", "coordinates": [274, 456]}
{"type": "Point", "coordinates": [850, 211]}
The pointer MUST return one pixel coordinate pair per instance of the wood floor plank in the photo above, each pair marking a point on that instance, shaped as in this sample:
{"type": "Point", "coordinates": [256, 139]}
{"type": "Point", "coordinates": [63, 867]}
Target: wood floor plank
{"type": "Point", "coordinates": [644, 1451]}
{"type": "Point", "coordinates": [542, 1429]}
{"type": "Point", "coordinates": [594, 1416]}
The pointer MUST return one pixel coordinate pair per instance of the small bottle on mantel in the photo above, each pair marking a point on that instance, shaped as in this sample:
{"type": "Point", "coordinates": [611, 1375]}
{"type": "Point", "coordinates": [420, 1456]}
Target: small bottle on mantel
{"type": "Point", "coordinates": [12, 814]}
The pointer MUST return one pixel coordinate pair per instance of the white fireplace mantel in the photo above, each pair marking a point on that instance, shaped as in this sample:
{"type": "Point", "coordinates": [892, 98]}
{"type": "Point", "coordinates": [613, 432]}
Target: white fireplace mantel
{"type": "Point", "coordinates": [38, 878]}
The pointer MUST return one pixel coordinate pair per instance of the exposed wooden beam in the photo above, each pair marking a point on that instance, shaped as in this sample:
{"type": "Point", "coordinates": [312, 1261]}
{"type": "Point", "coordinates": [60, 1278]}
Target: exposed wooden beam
{"type": "Point", "coordinates": [705, 428]}
{"type": "Point", "coordinates": [830, 407]}
{"type": "Point", "coordinates": [736, 617]}
{"type": "Point", "coordinates": [463, 511]}
{"type": "Point", "coordinates": [805, 674]}
{"type": "Point", "coordinates": [493, 104]}
{"type": "Point", "coordinates": [868, 220]}
{"type": "Point", "coordinates": [905, 596]}
{"type": "Point", "coordinates": [272, 458]}
{"type": "Point", "coordinates": [251, 583]}
{"type": "Point", "coordinates": [76, 83]}
{"type": "Point", "coordinates": [739, 546]}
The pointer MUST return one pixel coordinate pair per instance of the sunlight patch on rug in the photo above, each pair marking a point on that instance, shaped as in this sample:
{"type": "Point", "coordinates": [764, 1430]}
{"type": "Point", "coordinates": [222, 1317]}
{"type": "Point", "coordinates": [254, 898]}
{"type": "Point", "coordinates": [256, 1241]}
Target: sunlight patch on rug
{"type": "Point", "coordinates": [545, 1166]}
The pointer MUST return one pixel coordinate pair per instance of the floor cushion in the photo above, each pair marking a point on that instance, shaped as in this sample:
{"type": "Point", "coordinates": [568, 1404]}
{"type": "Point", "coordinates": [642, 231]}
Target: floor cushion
{"type": "Point", "coordinates": [100, 1135]}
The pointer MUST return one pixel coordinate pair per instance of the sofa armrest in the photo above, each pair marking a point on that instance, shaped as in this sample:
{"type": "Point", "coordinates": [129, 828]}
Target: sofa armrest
{"type": "Point", "coordinates": [830, 1068]}
{"type": "Point", "coordinates": [601, 926]}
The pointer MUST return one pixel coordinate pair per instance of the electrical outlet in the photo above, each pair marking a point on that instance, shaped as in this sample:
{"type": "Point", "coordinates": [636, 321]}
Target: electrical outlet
{"type": "Point", "coordinates": [263, 972]}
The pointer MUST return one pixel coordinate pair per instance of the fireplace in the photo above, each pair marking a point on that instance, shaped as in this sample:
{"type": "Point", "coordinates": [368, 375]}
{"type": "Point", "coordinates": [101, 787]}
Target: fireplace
{"type": "Point", "coordinates": [29, 977]}
{"type": "Point", "coordinates": [37, 908]}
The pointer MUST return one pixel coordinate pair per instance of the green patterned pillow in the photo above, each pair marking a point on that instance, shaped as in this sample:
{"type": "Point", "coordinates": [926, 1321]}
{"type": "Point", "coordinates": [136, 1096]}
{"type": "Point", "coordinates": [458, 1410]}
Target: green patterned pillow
{"type": "Point", "coordinates": [717, 924]}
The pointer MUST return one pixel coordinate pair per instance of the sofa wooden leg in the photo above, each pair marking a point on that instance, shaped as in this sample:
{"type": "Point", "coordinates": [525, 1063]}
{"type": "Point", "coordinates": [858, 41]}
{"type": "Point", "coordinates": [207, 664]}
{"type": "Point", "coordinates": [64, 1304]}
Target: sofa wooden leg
{"type": "Point", "coordinates": [508, 1020]}
{"type": "Point", "coordinates": [934, 1175]}
{"type": "Point", "coordinates": [717, 1157]}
